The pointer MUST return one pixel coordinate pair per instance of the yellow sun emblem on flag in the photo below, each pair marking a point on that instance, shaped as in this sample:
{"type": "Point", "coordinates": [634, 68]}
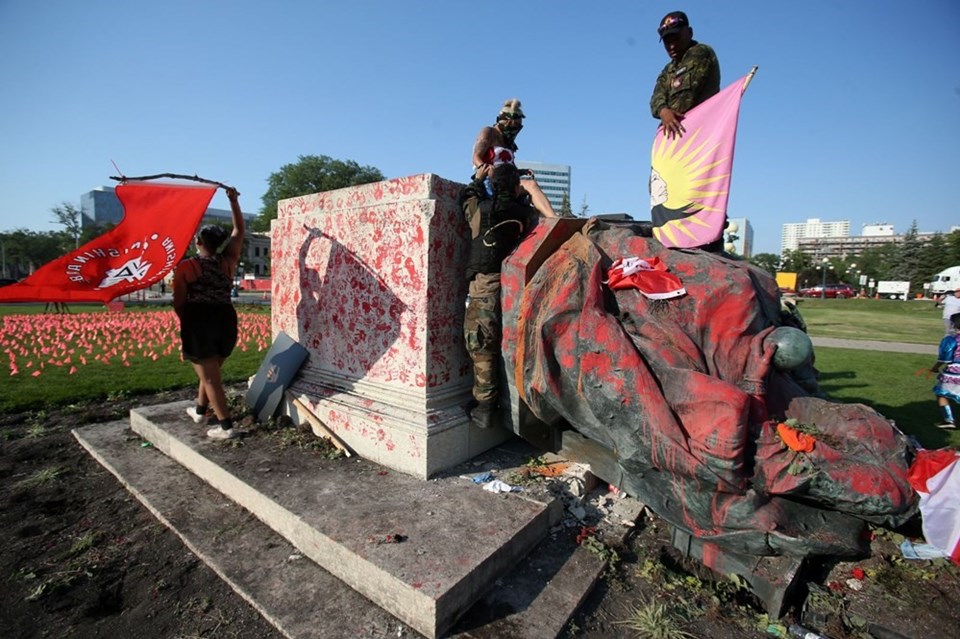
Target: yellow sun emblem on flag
{"type": "Point", "coordinates": [685, 178]}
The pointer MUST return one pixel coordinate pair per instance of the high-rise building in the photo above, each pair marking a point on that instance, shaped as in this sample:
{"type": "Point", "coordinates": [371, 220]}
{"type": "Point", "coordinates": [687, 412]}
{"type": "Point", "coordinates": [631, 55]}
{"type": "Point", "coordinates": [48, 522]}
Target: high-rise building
{"type": "Point", "coordinates": [100, 206]}
{"type": "Point", "coordinates": [554, 180]}
{"type": "Point", "coordinates": [812, 228]}
{"type": "Point", "coordinates": [743, 244]}
{"type": "Point", "coordinates": [844, 247]}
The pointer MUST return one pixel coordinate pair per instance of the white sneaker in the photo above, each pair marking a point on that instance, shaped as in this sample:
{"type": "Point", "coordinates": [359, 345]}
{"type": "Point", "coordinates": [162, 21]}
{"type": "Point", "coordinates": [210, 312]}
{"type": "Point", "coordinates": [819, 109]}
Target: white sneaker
{"type": "Point", "coordinates": [219, 433]}
{"type": "Point", "coordinates": [197, 416]}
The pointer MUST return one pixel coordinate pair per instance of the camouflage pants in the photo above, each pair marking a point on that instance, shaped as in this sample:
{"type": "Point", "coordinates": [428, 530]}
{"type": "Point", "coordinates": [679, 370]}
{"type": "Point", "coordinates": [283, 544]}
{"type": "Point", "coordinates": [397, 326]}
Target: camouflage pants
{"type": "Point", "coordinates": [481, 332]}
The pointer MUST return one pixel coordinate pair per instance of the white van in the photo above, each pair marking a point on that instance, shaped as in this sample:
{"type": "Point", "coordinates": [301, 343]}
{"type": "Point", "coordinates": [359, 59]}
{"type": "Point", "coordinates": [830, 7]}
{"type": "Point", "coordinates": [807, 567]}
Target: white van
{"type": "Point", "coordinates": [945, 280]}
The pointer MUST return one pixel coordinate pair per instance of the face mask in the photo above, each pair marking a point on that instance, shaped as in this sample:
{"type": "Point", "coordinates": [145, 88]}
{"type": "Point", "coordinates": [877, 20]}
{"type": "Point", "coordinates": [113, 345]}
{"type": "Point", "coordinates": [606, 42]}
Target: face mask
{"type": "Point", "coordinates": [509, 131]}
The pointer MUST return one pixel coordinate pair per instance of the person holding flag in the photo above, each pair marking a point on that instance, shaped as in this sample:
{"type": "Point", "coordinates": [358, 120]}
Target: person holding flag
{"type": "Point", "coordinates": [208, 321]}
{"type": "Point", "coordinates": [690, 179]}
{"type": "Point", "coordinates": [690, 78]}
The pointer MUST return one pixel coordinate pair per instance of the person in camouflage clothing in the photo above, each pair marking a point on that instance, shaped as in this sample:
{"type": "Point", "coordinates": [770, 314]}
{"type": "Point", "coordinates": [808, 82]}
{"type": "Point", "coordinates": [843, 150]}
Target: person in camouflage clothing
{"type": "Point", "coordinates": [691, 77]}
{"type": "Point", "coordinates": [497, 144]}
{"type": "Point", "coordinates": [497, 222]}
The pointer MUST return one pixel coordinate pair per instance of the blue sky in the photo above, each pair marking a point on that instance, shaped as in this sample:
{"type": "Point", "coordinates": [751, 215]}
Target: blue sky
{"type": "Point", "coordinates": [854, 113]}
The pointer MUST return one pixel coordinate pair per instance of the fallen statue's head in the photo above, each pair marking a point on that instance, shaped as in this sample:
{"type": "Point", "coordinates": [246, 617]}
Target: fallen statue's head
{"type": "Point", "coordinates": [708, 401]}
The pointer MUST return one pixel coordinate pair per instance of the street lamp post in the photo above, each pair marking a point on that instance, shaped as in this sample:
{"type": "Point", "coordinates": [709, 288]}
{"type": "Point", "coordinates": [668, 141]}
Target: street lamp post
{"type": "Point", "coordinates": [852, 269]}
{"type": "Point", "coordinates": [238, 281]}
{"type": "Point", "coordinates": [823, 282]}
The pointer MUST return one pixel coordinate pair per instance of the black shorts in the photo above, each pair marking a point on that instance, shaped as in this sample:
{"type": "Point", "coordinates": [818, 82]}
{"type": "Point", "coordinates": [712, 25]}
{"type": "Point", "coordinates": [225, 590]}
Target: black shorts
{"type": "Point", "coordinates": [207, 330]}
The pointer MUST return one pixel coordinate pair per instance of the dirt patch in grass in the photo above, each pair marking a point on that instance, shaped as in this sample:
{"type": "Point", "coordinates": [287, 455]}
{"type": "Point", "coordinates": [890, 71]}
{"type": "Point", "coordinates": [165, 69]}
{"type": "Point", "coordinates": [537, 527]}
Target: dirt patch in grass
{"type": "Point", "coordinates": [82, 558]}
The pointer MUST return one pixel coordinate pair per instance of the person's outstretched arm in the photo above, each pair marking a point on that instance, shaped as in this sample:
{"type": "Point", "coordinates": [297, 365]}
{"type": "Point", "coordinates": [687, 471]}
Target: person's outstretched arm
{"type": "Point", "coordinates": [235, 243]}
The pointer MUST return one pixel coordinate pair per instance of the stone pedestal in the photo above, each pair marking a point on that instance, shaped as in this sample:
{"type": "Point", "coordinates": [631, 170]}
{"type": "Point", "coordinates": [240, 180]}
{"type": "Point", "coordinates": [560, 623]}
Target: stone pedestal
{"type": "Point", "coordinates": [370, 280]}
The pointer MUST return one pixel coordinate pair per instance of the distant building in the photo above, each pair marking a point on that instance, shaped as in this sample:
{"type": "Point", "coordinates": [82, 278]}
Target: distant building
{"type": "Point", "coordinates": [813, 228]}
{"type": "Point", "coordinates": [743, 245]}
{"type": "Point", "coordinates": [880, 229]}
{"type": "Point", "coordinates": [554, 179]}
{"type": "Point", "coordinates": [844, 247]}
{"type": "Point", "coordinates": [101, 206]}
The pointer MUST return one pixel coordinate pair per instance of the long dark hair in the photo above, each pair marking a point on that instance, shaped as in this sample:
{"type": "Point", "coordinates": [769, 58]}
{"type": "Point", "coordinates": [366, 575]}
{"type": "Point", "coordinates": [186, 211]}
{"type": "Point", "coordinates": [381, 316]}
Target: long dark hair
{"type": "Point", "coordinates": [212, 237]}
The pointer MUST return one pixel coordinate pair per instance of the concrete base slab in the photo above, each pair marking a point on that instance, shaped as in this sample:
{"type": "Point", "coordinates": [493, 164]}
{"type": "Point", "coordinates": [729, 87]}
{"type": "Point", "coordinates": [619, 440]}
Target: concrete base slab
{"type": "Point", "coordinates": [457, 539]}
{"type": "Point", "coordinates": [293, 593]}
{"type": "Point", "coordinates": [538, 598]}
{"type": "Point", "coordinates": [534, 600]}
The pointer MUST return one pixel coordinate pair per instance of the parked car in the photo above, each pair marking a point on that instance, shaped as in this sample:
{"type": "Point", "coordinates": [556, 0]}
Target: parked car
{"type": "Point", "coordinates": [838, 291]}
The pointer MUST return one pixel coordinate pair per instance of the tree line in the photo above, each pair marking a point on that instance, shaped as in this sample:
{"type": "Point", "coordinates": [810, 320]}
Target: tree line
{"type": "Point", "coordinates": [911, 259]}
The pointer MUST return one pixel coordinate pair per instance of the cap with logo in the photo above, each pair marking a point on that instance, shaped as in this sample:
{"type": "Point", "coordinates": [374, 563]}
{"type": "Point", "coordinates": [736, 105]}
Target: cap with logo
{"type": "Point", "coordinates": [672, 23]}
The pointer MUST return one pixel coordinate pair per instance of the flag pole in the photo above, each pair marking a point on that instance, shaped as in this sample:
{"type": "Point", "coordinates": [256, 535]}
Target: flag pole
{"type": "Point", "coordinates": [176, 176]}
{"type": "Point", "coordinates": [750, 75]}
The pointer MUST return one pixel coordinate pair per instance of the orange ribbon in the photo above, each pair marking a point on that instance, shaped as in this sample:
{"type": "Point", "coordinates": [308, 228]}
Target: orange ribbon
{"type": "Point", "coordinates": [794, 439]}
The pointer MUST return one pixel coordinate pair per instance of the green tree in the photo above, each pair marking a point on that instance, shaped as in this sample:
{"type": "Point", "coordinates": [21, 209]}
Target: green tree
{"type": "Point", "coordinates": [795, 261]}
{"type": "Point", "coordinates": [565, 210]}
{"type": "Point", "coordinates": [908, 266]}
{"type": "Point", "coordinates": [876, 262]}
{"type": "Point", "coordinates": [767, 261]}
{"type": "Point", "coordinates": [953, 249]}
{"type": "Point", "coordinates": [23, 251]}
{"type": "Point", "coordinates": [71, 217]}
{"type": "Point", "coordinates": [310, 174]}
{"type": "Point", "coordinates": [584, 207]}
{"type": "Point", "coordinates": [933, 258]}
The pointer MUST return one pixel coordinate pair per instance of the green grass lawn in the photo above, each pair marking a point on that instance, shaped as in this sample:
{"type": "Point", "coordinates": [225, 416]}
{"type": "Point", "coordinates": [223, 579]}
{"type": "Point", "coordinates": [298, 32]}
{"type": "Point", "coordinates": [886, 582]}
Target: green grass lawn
{"type": "Point", "coordinates": [913, 322]}
{"type": "Point", "coordinates": [883, 381]}
{"type": "Point", "coordinates": [887, 383]}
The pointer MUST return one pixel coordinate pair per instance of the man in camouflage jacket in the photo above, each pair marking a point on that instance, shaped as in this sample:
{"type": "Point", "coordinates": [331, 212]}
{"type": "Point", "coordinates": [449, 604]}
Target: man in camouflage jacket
{"type": "Point", "coordinates": [497, 223]}
{"type": "Point", "coordinates": [691, 76]}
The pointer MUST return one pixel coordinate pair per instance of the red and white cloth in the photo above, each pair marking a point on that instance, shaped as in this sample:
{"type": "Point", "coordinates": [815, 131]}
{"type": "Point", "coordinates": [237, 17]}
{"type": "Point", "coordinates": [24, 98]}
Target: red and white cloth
{"type": "Point", "coordinates": [935, 475]}
{"type": "Point", "coordinates": [649, 275]}
{"type": "Point", "coordinates": [499, 155]}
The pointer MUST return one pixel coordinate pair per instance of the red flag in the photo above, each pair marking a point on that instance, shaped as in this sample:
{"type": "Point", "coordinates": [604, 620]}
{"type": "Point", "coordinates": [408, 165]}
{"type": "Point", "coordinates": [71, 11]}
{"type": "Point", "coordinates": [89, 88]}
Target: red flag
{"type": "Point", "coordinates": [649, 275]}
{"type": "Point", "coordinates": [157, 228]}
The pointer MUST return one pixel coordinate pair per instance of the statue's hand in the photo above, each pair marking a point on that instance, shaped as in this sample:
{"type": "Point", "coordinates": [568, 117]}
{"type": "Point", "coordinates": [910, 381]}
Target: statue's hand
{"type": "Point", "coordinates": [758, 364]}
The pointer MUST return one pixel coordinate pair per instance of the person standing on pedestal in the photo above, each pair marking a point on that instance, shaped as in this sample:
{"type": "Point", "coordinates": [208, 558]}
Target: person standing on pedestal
{"type": "Point", "coordinates": [496, 145]}
{"type": "Point", "coordinates": [690, 78]}
{"type": "Point", "coordinates": [497, 223]}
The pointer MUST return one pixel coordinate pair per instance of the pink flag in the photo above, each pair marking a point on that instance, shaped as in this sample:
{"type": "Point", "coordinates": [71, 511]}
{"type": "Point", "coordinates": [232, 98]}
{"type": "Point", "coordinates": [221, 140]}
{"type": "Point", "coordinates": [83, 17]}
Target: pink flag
{"type": "Point", "coordinates": [158, 226]}
{"type": "Point", "coordinates": [690, 175]}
